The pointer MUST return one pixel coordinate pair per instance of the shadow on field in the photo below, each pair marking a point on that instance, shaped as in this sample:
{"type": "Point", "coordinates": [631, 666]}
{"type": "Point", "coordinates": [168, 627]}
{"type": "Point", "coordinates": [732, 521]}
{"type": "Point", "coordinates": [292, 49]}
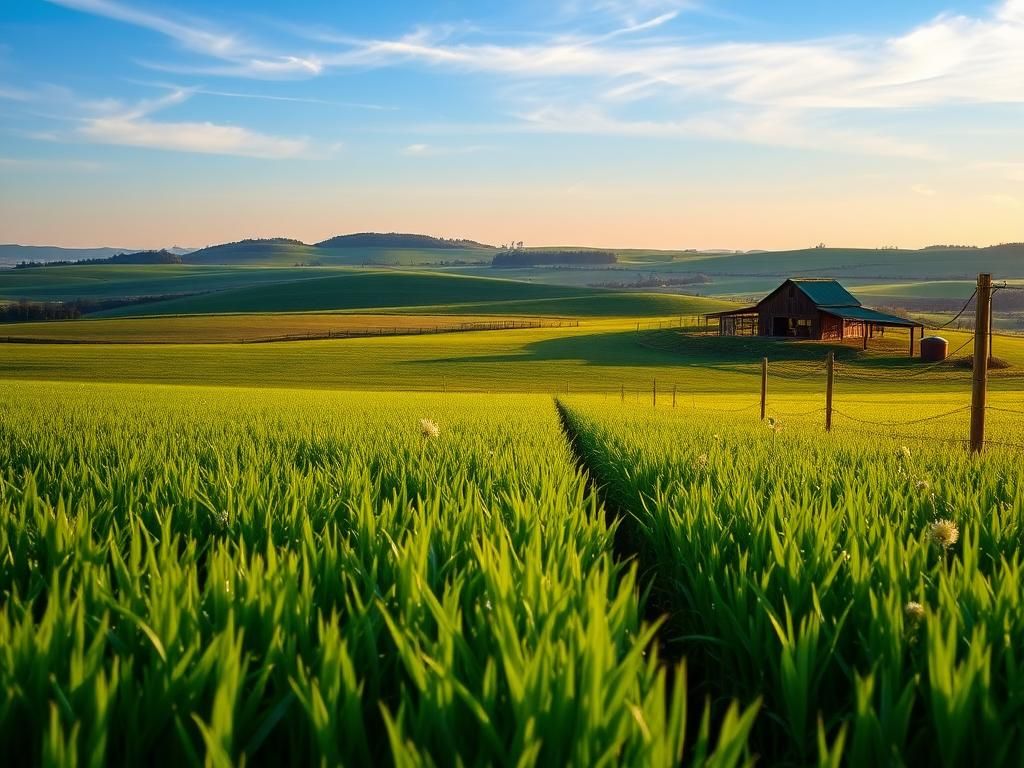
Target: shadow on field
{"type": "Point", "coordinates": [619, 348]}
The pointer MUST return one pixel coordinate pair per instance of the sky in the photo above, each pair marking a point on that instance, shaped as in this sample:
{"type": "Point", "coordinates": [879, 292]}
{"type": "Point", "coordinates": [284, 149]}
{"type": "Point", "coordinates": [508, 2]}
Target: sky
{"type": "Point", "coordinates": [651, 124]}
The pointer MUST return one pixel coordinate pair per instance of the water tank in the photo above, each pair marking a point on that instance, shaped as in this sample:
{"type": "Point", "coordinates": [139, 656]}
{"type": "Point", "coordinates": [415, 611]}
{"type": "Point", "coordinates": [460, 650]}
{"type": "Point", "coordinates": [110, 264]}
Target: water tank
{"type": "Point", "coordinates": [934, 349]}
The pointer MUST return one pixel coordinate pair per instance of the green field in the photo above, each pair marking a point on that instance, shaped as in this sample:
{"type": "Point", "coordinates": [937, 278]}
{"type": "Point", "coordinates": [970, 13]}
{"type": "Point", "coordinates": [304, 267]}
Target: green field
{"type": "Point", "coordinates": [219, 575]}
{"type": "Point", "coordinates": [331, 552]}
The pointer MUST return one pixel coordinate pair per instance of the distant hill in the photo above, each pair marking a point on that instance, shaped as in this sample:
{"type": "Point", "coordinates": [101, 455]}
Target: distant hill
{"type": "Point", "coordinates": [253, 251]}
{"type": "Point", "coordinates": [12, 254]}
{"type": "Point", "coordinates": [139, 257]}
{"type": "Point", "coordinates": [397, 240]}
{"type": "Point", "coordinates": [523, 257]}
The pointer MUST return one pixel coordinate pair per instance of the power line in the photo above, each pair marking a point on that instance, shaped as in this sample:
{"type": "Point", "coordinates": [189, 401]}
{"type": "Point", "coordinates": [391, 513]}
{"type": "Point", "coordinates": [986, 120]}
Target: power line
{"type": "Point", "coordinates": [958, 314]}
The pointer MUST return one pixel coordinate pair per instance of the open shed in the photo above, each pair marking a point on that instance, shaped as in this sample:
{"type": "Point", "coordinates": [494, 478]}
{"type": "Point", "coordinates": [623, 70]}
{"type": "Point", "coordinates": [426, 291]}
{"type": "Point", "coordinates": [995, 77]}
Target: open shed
{"type": "Point", "coordinates": [810, 308]}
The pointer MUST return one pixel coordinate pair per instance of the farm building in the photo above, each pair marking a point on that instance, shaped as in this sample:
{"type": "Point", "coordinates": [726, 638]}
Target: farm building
{"type": "Point", "coordinates": [810, 308]}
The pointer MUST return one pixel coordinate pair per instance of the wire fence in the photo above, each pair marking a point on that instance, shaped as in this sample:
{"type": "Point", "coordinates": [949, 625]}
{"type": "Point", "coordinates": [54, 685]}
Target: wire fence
{"type": "Point", "coordinates": [902, 419]}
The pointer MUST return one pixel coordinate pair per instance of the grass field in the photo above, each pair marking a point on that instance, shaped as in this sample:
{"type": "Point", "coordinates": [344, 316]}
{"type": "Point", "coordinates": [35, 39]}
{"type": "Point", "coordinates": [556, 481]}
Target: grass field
{"type": "Point", "coordinates": [865, 592]}
{"type": "Point", "coordinates": [599, 355]}
{"type": "Point", "coordinates": [218, 329]}
{"type": "Point", "coordinates": [217, 575]}
{"type": "Point", "coordinates": [306, 577]}
{"type": "Point", "coordinates": [226, 553]}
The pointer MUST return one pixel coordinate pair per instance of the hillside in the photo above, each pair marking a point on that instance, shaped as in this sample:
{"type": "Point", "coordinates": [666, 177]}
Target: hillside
{"type": "Point", "coordinates": [11, 254]}
{"type": "Point", "coordinates": [536, 257]}
{"type": "Point", "coordinates": [355, 290]}
{"type": "Point", "coordinates": [254, 251]}
{"type": "Point", "coordinates": [396, 240]}
{"type": "Point", "coordinates": [139, 257]}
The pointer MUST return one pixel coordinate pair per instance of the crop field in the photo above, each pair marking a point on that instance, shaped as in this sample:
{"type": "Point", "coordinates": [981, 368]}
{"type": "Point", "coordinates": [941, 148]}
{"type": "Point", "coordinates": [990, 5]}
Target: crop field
{"type": "Point", "coordinates": [296, 577]}
{"type": "Point", "coordinates": [865, 589]}
{"type": "Point", "coordinates": [218, 575]}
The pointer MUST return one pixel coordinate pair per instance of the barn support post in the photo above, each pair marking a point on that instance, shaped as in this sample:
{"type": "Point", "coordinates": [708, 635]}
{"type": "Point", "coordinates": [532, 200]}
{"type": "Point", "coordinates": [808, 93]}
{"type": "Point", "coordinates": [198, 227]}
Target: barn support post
{"type": "Point", "coordinates": [764, 385]}
{"type": "Point", "coordinates": [830, 365]}
{"type": "Point", "coordinates": [979, 390]}
{"type": "Point", "coordinates": [912, 329]}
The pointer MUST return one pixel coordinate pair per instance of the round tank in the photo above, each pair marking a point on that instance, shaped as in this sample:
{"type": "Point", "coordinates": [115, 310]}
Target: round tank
{"type": "Point", "coordinates": [934, 349]}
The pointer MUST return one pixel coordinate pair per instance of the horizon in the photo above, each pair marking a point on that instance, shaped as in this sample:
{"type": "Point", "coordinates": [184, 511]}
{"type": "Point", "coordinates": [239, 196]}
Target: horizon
{"type": "Point", "coordinates": [499, 246]}
{"type": "Point", "coordinates": [666, 124]}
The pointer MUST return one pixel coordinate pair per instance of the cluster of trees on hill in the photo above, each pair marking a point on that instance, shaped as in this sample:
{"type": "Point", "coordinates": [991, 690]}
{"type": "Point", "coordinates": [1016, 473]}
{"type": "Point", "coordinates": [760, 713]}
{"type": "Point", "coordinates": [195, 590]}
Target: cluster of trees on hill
{"type": "Point", "coordinates": [520, 257]}
{"type": "Point", "coordinates": [396, 240]}
{"type": "Point", "coordinates": [140, 257]}
{"type": "Point", "coordinates": [24, 311]}
{"type": "Point", "coordinates": [657, 282]}
{"type": "Point", "coordinates": [259, 241]}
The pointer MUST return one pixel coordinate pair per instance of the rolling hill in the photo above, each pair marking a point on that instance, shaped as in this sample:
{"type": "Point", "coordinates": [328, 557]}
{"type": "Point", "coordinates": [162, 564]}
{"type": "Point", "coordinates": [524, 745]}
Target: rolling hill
{"type": "Point", "coordinates": [352, 290]}
{"type": "Point", "coordinates": [397, 240]}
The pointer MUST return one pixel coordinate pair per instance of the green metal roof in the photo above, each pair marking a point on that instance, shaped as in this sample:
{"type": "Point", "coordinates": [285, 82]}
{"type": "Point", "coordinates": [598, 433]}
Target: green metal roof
{"type": "Point", "coordinates": [827, 293]}
{"type": "Point", "coordinates": [864, 314]}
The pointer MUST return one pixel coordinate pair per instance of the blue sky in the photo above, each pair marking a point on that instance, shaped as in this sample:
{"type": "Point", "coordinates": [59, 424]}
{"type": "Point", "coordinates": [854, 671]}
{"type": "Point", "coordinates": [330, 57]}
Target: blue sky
{"type": "Point", "coordinates": [654, 123]}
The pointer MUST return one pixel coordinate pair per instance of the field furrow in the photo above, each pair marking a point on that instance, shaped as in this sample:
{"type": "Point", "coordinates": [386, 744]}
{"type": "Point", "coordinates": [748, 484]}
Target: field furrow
{"type": "Point", "coordinates": [207, 575]}
{"type": "Point", "coordinates": [868, 591]}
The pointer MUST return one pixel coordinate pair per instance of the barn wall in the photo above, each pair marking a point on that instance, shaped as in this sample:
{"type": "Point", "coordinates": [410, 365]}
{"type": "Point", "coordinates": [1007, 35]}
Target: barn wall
{"type": "Point", "coordinates": [788, 302]}
{"type": "Point", "coordinates": [831, 327]}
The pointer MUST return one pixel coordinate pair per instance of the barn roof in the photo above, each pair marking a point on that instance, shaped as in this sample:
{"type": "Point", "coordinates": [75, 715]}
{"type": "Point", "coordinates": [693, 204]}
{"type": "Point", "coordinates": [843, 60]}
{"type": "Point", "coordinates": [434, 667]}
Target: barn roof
{"type": "Point", "coordinates": [863, 314]}
{"type": "Point", "coordinates": [826, 292]}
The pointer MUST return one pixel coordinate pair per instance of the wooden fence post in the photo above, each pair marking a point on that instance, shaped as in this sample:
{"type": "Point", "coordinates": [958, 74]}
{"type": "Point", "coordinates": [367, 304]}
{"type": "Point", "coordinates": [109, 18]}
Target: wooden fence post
{"type": "Point", "coordinates": [979, 390]}
{"type": "Point", "coordinates": [622, 392]}
{"type": "Point", "coordinates": [764, 385]}
{"type": "Point", "coordinates": [673, 395]}
{"type": "Point", "coordinates": [654, 393]}
{"type": "Point", "coordinates": [830, 362]}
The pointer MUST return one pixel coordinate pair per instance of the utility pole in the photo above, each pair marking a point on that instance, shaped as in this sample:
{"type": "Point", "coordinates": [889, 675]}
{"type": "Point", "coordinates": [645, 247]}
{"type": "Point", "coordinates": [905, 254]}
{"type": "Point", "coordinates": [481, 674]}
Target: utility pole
{"type": "Point", "coordinates": [990, 324]}
{"type": "Point", "coordinates": [764, 385]}
{"type": "Point", "coordinates": [830, 365]}
{"type": "Point", "coordinates": [979, 391]}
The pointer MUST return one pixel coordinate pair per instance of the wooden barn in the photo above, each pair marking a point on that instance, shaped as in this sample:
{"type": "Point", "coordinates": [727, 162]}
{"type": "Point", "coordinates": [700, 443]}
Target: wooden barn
{"type": "Point", "coordinates": [810, 308]}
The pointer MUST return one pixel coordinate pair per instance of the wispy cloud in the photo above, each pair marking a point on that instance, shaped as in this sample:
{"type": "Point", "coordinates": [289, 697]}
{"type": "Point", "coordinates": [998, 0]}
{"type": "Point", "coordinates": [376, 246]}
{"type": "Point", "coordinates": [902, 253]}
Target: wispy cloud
{"type": "Point", "coordinates": [767, 127]}
{"type": "Point", "coordinates": [434, 150]}
{"type": "Point", "coordinates": [111, 121]}
{"type": "Point", "coordinates": [132, 126]}
{"type": "Point", "coordinates": [638, 80]}
{"type": "Point", "coordinates": [241, 58]}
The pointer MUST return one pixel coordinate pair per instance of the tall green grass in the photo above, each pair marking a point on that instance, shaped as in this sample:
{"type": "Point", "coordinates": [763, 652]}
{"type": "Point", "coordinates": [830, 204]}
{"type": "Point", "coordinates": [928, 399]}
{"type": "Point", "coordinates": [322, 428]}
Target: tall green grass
{"type": "Point", "coordinates": [203, 576]}
{"type": "Point", "coordinates": [804, 569]}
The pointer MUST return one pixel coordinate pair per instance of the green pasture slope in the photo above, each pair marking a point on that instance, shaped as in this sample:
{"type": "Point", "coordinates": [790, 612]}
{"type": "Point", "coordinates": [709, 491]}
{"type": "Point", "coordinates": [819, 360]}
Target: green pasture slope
{"type": "Point", "coordinates": [289, 254]}
{"type": "Point", "coordinates": [131, 280]}
{"type": "Point", "coordinates": [415, 291]}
